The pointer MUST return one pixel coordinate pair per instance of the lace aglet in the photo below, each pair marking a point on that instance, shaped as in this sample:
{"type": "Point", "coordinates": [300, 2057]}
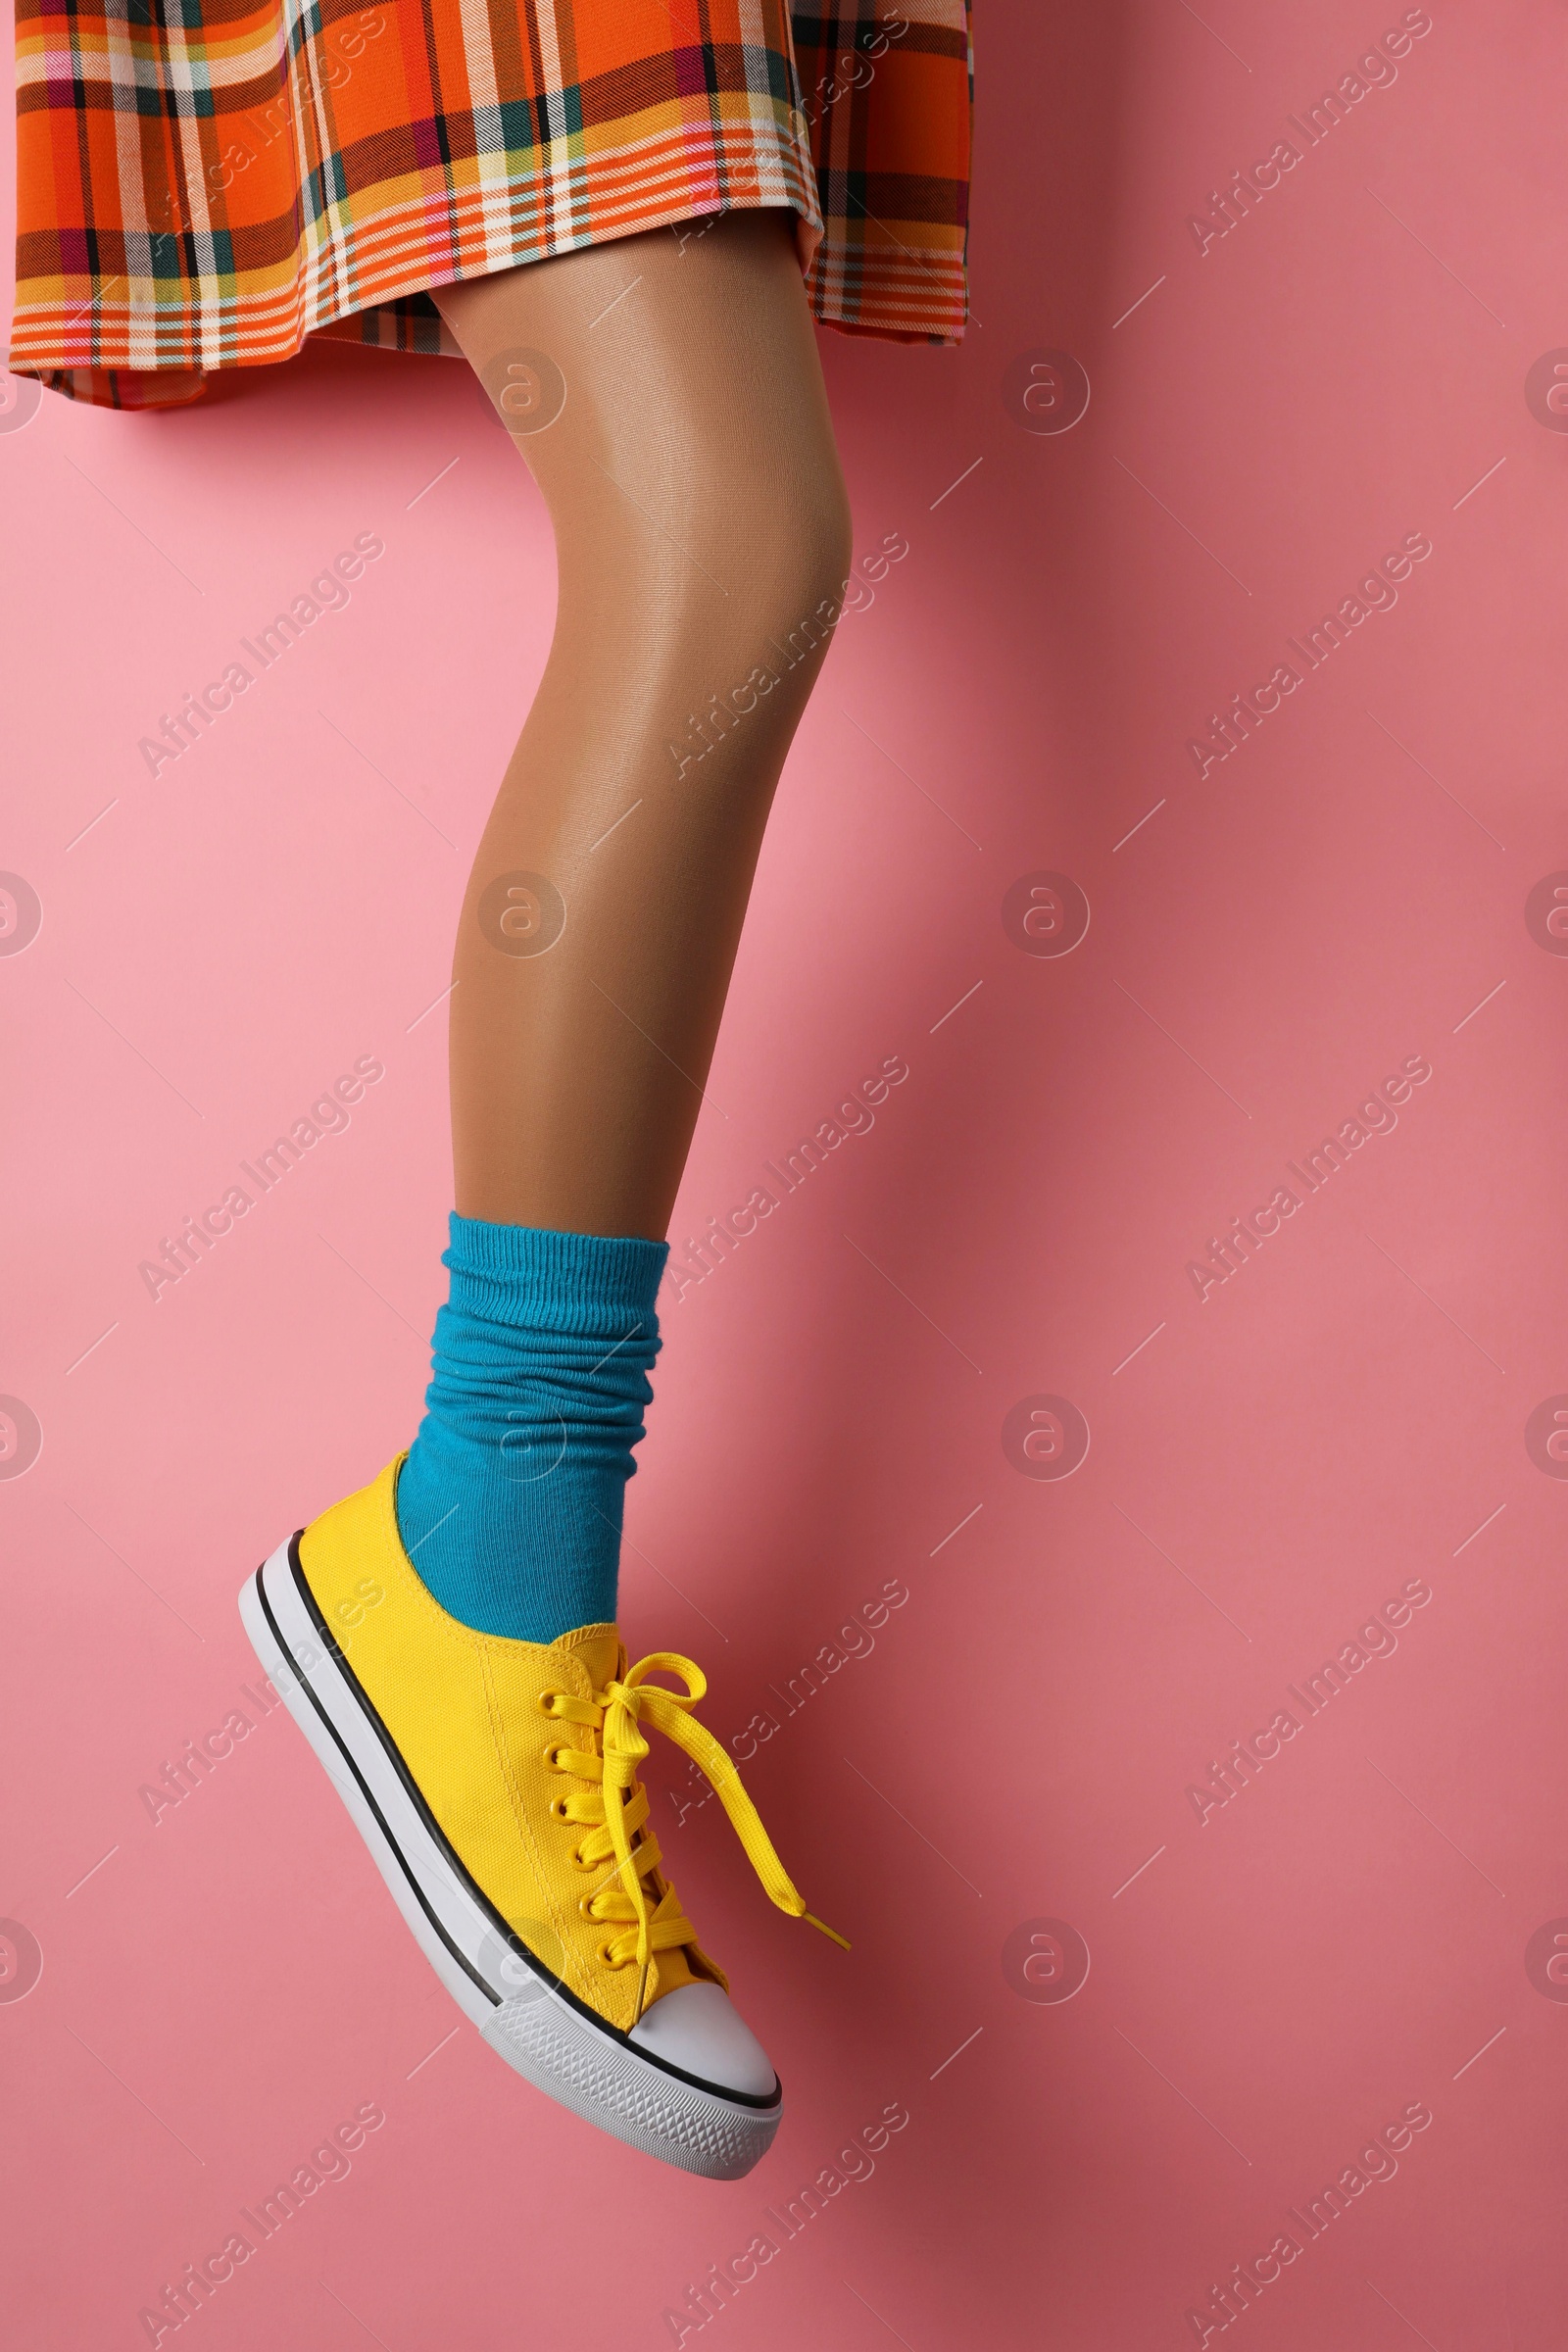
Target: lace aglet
{"type": "Point", "coordinates": [642, 1990]}
{"type": "Point", "coordinates": [842, 1941]}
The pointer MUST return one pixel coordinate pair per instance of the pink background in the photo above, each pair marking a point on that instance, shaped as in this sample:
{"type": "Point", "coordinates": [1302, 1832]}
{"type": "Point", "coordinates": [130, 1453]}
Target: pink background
{"type": "Point", "coordinates": [1268, 1465]}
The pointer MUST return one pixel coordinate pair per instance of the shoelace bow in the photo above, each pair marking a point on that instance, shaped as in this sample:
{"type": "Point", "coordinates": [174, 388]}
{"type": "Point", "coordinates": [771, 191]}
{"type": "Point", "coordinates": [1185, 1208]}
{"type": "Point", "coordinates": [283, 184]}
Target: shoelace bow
{"type": "Point", "coordinates": [618, 1712]}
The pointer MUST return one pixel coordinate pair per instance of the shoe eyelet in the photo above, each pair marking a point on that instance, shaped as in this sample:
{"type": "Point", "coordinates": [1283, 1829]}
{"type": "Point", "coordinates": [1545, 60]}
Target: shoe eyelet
{"type": "Point", "coordinates": [547, 1703]}
{"type": "Point", "coordinates": [585, 1906]}
{"type": "Point", "coordinates": [553, 1759]}
{"type": "Point", "coordinates": [558, 1809]}
{"type": "Point", "coordinates": [607, 1958]}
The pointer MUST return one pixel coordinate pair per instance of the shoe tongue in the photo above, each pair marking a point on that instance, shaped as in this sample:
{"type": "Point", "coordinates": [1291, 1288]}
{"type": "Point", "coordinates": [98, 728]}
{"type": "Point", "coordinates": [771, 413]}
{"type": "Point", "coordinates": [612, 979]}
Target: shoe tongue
{"type": "Point", "coordinates": [597, 1650]}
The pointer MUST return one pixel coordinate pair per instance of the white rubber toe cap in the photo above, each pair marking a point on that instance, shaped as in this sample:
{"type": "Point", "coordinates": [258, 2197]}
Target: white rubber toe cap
{"type": "Point", "coordinates": [697, 2029]}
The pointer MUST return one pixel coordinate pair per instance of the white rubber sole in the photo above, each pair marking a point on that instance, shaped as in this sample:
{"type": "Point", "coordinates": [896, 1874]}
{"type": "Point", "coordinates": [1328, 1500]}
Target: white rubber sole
{"type": "Point", "coordinates": [523, 2012]}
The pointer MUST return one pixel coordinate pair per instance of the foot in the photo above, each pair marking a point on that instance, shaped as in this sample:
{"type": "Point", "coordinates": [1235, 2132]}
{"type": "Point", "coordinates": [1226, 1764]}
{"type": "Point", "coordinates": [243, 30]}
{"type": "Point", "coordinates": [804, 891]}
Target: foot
{"type": "Point", "coordinates": [495, 1784]}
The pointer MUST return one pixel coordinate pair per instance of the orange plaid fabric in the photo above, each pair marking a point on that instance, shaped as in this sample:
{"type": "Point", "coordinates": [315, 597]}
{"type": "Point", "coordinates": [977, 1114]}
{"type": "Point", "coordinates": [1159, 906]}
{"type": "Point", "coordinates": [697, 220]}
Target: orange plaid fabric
{"type": "Point", "coordinates": [203, 183]}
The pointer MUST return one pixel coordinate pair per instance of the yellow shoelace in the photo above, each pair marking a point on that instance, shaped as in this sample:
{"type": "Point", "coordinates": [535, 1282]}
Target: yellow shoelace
{"type": "Point", "coordinates": [617, 1815]}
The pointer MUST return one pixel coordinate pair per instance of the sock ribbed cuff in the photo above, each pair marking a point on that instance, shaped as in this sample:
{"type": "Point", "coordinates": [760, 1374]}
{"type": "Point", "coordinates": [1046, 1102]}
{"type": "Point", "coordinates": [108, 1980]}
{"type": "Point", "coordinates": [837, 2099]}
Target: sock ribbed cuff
{"type": "Point", "coordinates": [528, 1277]}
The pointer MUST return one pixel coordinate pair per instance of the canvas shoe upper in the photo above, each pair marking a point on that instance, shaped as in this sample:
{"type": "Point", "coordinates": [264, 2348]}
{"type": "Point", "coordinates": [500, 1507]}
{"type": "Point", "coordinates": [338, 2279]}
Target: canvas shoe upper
{"type": "Point", "coordinates": [496, 1783]}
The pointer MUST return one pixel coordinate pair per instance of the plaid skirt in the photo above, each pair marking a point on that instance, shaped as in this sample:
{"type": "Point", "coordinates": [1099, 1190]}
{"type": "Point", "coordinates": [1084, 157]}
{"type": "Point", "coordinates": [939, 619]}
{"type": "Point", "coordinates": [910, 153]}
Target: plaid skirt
{"type": "Point", "coordinates": [203, 183]}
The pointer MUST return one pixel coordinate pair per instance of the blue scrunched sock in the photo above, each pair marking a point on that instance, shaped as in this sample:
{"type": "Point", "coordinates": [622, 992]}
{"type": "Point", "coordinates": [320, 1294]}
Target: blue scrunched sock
{"type": "Point", "coordinates": [510, 1502]}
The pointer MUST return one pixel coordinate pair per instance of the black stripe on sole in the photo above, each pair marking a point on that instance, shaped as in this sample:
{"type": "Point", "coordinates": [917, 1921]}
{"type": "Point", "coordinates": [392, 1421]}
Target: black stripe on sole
{"type": "Point", "coordinates": [760, 2103]}
{"type": "Point", "coordinates": [368, 1795]}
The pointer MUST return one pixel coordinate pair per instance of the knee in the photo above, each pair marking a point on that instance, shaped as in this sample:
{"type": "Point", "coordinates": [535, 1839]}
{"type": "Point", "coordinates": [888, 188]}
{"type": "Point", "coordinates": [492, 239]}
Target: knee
{"type": "Point", "coordinates": [823, 526]}
{"type": "Point", "coordinates": [791, 583]}
{"type": "Point", "coordinates": [812, 537]}
{"type": "Point", "coordinates": [826, 548]}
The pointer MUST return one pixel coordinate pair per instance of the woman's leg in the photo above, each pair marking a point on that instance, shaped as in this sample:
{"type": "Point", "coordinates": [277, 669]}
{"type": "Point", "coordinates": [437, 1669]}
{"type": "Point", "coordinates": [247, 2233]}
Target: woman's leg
{"type": "Point", "coordinates": [667, 398]}
{"type": "Point", "coordinates": [703, 543]}
{"type": "Point", "coordinates": [701, 537]}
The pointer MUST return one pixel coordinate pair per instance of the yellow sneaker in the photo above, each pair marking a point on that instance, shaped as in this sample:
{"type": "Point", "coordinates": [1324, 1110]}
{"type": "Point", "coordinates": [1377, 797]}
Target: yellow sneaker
{"type": "Point", "coordinates": [495, 1784]}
